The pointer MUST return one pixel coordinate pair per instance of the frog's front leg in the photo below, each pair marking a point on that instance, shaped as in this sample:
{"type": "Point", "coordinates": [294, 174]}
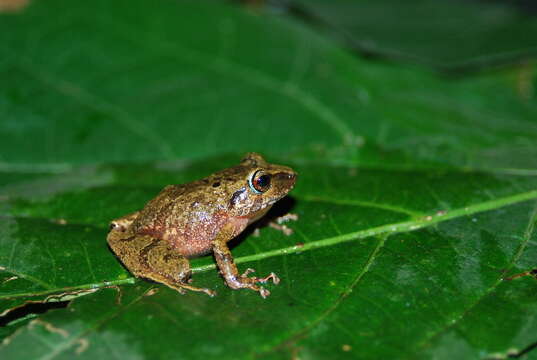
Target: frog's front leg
{"type": "Point", "coordinates": [229, 270]}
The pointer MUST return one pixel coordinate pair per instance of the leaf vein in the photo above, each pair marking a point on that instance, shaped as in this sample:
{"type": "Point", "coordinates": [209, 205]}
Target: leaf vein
{"type": "Point", "coordinates": [72, 340]}
{"type": "Point", "coordinates": [29, 278]}
{"type": "Point", "coordinates": [359, 276]}
{"type": "Point", "coordinates": [224, 66]}
{"type": "Point", "coordinates": [83, 96]}
{"type": "Point", "coordinates": [529, 231]}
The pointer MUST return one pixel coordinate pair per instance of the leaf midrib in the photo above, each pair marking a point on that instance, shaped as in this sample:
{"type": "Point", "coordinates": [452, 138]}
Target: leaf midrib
{"type": "Point", "coordinates": [387, 229]}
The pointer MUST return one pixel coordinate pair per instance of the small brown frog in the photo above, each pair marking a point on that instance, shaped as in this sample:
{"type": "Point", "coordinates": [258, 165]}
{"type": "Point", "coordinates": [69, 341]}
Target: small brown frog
{"type": "Point", "coordinates": [197, 218]}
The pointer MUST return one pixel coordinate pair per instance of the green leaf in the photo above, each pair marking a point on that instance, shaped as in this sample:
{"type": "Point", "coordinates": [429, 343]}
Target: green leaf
{"type": "Point", "coordinates": [133, 83]}
{"type": "Point", "coordinates": [449, 35]}
{"type": "Point", "coordinates": [416, 198]}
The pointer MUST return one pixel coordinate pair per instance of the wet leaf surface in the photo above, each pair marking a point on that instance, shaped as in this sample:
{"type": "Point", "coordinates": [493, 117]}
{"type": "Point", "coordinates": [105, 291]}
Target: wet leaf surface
{"type": "Point", "coordinates": [417, 195]}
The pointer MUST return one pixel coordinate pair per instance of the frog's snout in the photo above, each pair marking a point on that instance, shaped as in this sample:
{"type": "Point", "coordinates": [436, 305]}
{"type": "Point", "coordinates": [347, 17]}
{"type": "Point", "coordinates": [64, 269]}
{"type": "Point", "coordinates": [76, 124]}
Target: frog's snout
{"type": "Point", "coordinates": [292, 177]}
{"type": "Point", "coordinates": [286, 179]}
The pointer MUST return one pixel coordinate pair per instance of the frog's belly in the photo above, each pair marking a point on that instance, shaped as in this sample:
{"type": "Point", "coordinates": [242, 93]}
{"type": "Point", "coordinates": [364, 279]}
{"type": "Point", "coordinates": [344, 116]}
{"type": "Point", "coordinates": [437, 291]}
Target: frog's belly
{"type": "Point", "coordinates": [196, 238]}
{"type": "Point", "coordinates": [191, 242]}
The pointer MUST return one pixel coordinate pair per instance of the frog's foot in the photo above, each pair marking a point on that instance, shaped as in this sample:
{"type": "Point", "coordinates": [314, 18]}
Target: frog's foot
{"type": "Point", "coordinates": [184, 280]}
{"type": "Point", "coordinates": [229, 271]}
{"type": "Point", "coordinates": [275, 279]}
{"type": "Point", "coordinates": [243, 281]}
{"type": "Point", "coordinates": [182, 287]}
{"type": "Point", "coordinates": [283, 228]}
{"type": "Point", "coordinates": [177, 284]}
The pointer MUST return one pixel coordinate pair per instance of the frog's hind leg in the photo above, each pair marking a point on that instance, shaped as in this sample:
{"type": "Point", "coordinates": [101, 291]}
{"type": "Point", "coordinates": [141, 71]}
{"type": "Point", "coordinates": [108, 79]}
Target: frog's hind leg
{"type": "Point", "coordinates": [151, 258]}
{"type": "Point", "coordinates": [168, 267]}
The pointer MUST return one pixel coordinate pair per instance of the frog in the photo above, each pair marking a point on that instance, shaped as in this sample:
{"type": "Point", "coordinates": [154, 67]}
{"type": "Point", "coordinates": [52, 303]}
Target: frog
{"type": "Point", "coordinates": [198, 218]}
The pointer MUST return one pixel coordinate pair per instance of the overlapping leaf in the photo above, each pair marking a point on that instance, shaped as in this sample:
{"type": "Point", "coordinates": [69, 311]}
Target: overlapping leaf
{"type": "Point", "coordinates": [448, 35]}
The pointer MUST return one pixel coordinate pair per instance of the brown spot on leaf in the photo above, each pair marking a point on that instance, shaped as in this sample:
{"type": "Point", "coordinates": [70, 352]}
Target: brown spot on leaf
{"type": "Point", "coordinates": [532, 273]}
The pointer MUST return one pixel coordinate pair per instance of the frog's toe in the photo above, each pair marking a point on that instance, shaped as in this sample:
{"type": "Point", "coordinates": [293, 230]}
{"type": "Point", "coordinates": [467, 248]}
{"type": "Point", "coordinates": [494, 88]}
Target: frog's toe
{"type": "Point", "coordinates": [210, 292]}
{"type": "Point", "coordinates": [179, 289]}
{"type": "Point", "coordinates": [275, 279]}
{"type": "Point", "coordinates": [247, 272]}
{"type": "Point", "coordinates": [264, 292]}
{"type": "Point", "coordinates": [185, 286]}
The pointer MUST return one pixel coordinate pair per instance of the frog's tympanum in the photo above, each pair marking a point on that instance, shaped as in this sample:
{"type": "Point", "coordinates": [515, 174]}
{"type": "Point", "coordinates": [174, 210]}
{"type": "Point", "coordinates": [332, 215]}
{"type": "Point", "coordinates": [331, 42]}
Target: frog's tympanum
{"type": "Point", "coordinates": [197, 218]}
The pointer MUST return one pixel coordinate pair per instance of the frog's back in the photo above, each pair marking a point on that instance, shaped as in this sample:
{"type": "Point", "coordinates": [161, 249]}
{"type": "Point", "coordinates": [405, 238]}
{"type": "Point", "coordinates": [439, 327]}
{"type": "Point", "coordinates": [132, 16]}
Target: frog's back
{"type": "Point", "coordinates": [153, 216]}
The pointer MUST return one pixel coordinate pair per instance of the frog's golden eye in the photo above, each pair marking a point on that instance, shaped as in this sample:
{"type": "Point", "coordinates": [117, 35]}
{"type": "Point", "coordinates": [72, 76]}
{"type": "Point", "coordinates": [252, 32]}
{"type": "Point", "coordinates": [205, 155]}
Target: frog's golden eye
{"type": "Point", "coordinates": [259, 182]}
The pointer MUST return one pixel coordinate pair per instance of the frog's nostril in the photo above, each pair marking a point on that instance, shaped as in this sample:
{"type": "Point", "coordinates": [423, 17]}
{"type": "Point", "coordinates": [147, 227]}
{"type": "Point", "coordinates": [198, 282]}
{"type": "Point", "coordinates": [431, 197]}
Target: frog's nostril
{"type": "Point", "coordinates": [286, 176]}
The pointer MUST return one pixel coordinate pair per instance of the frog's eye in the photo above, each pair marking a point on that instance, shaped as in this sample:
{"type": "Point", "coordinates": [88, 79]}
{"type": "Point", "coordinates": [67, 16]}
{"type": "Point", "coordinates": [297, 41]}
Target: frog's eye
{"type": "Point", "coordinates": [259, 182]}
